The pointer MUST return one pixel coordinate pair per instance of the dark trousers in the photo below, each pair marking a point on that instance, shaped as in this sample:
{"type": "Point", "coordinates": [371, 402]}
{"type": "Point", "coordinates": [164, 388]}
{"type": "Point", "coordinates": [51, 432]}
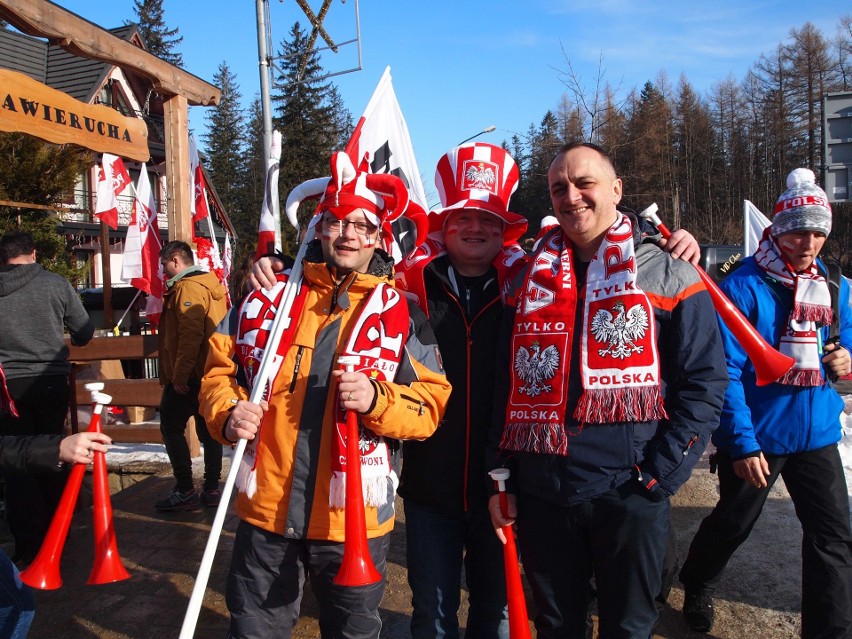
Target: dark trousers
{"type": "Point", "coordinates": [817, 486]}
{"type": "Point", "coordinates": [175, 410]}
{"type": "Point", "coordinates": [620, 537]}
{"type": "Point", "coordinates": [438, 544]}
{"type": "Point", "coordinates": [267, 577]}
{"type": "Point", "coordinates": [32, 498]}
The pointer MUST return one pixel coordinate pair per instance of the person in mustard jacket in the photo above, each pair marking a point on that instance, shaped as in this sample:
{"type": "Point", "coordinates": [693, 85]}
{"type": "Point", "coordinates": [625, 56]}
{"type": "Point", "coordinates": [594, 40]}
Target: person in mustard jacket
{"type": "Point", "coordinates": [193, 304]}
{"type": "Point", "coordinates": [292, 477]}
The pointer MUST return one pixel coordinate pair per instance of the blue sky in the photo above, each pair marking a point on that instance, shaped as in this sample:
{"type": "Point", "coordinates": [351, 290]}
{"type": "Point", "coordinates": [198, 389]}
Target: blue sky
{"type": "Point", "coordinates": [459, 67]}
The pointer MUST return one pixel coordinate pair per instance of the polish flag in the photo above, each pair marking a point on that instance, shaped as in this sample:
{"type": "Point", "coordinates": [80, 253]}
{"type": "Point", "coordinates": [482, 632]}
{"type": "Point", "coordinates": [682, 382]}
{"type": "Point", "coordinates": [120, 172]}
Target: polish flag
{"type": "Point", "coordinates": [112, 180]}
{"type": "Point", "coordinates": [141, 264]}
{"type": "Point", "coordinates": [199, 207]}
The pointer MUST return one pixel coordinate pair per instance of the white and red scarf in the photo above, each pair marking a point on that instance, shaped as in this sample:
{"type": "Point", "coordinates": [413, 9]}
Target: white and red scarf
{"type": "Point", "coordinates": [811, 309]}
{"type": "Point", "coordinates": [620, 369]}
{"type": "Point", "coordinates": [257, 314]}
{"type": "Point", "coordinates": [378, 339]}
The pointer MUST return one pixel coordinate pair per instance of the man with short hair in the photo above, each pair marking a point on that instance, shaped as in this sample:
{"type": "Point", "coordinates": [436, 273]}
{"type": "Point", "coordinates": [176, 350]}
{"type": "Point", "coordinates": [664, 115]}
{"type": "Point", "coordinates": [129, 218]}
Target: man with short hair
{"type": "Point", "coordinates": [789, 428]}
{"type": "Point", "coordinates": [35, 308]}
{"type": "Point", "coordinates": [193, 304]}
{"type": "Point", "coordinates": [614, 384]}
{"type": "Point", "coordinates": [293, 475]}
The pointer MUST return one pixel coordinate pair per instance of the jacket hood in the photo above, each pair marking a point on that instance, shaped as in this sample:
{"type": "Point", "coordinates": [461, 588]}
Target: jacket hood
{"type": "Point", "coordinates": [17, 277]}
{"type": "Point", "coordinates": [208, 281]}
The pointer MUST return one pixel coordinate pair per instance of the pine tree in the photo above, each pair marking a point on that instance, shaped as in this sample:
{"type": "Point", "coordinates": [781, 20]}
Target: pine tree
{"type": "Point", "coordinates": [36, 172]}
{"type": "Point", "coordinates": [160, 40]}
{"type": "Point", "coordinates": [224, 141]}
{"type": "Point", "coordinates": [309, 133]}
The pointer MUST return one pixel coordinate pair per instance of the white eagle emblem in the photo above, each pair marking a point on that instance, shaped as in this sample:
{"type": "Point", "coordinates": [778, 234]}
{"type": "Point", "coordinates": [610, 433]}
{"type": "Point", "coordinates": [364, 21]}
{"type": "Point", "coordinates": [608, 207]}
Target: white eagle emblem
{"type": "Point", "coordinates": [535, 366]}
{"type": "Point", "coordinates": [480, 176]}
{"type": "Point", "coordinates": [620, 332]}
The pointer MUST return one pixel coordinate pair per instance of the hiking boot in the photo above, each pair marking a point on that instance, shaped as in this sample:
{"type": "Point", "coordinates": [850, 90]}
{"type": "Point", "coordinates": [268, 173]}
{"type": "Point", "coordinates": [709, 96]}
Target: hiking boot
{"type": "Point", "coordinates": [698, 610]}
{"type": "Point", "coordinates": [177, 501]}
{"type": "Point", "coordinates": [211, 497]}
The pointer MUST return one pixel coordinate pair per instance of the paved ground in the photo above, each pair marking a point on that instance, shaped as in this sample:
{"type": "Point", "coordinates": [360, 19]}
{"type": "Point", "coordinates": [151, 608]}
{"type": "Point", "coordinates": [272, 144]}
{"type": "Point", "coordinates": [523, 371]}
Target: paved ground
{"type": "Point", "coordinates": [163, 552]}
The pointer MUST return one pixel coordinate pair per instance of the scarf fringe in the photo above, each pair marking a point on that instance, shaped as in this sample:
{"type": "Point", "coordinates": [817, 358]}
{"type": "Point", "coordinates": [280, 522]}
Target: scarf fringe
{"type": "Point", "coordinates": [819, 314]}
{"type": "Point", "coordinates": [796, 377]}
{"type": "Point", "coordinates": [246, 480]}
{"type": "Point", "coordinates": [546, 438]}
{"type": "Point", "coordinates": [373, 490]}
{"type": "Point", "coordinates": [633, 404]}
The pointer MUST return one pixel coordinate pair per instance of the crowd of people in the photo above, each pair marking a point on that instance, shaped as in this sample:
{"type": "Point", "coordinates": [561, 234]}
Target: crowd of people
{"type": "Point", "coordinates": [592, 367]}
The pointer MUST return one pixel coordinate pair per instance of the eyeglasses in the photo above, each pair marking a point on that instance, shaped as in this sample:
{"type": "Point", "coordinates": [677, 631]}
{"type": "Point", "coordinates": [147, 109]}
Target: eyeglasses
{"type": "Point", "coordinates": [333, 226]}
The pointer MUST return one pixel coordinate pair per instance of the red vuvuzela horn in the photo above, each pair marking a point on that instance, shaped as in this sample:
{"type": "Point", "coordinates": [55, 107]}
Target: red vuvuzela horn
{"type": "Point", "coordinates": [43, 573]}
{"type": "Point", "coordinates": [357, 568]}
{"type": "Point", "coordinates": [519, 624]}
{"type": "Point", "coordinates": [768, 363]}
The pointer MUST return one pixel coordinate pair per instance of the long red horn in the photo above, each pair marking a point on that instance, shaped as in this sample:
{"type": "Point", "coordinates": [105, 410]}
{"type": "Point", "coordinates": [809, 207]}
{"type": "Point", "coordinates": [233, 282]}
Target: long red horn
{"type": "Point", "coordinates": [519, 623]}
{"type": "Point", "coordinates": [107, 566]}
{"type": "Point", "coordinates": [357, 568]}
{"type": "Point", "coordinates": [768, 363]}
{"type": "Point", "coordinates": [43, 572]}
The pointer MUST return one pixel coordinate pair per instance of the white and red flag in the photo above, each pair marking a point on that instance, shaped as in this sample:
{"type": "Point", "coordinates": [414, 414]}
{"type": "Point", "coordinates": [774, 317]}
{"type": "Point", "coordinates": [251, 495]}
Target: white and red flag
{"type": "Point", "coordinates": [141, 263]}
{"type": "Point", "coordinates": [382, 134]}
{"type": "Point", "coordinates": [198, 205]}
{"type": "Point", "coordinates": [269, 228]}
{"type": "Point", "coordinates": [113, 178]}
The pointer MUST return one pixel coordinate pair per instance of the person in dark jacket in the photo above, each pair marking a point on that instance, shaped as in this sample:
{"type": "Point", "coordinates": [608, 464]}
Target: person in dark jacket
{"type": "Point", "coordinates": [22, 455]}
{"type": "Point", "coordinates": [459, 272]}
{"type": "Point", "coordinates": [788, 428]}
{"type": "Point", "coordinates": [36, 307]}
{"type": "Point", "coordinates": [610, 380]}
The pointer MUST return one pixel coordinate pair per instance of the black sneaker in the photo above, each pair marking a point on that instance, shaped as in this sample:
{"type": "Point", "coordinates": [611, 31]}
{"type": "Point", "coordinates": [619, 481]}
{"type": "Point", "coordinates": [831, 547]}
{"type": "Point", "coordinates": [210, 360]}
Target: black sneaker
{"type": "Point", "coordinates": [211, 497]}
{"type": "Point", "coordinates": [177, 501]}
{"type": "Point", "coordinates": [698, 610]}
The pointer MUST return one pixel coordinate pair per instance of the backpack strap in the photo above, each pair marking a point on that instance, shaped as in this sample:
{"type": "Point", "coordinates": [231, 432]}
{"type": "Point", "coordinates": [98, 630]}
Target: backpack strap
{"type": "Point", "coordinates": [832, 276]}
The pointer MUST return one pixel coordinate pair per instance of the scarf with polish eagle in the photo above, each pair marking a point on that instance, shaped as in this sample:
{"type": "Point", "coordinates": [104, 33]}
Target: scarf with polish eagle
{"type": "Point", "coordinates": [378, 338]}
{"type": "Point", "coordinates": [620, 368]}
{"type": "Point", "coordinates": [811, 309]}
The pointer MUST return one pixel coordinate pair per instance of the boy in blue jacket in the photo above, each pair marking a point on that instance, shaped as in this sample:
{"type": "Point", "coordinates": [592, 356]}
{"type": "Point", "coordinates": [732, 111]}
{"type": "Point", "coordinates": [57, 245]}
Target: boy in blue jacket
{"type": "Point", "coordinates": [789, 427]}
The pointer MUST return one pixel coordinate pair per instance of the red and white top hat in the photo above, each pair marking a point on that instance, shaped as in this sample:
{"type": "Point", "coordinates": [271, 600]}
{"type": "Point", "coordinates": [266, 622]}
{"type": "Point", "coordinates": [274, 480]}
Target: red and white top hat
{"type": "Point", "coordinates": [480, 176]}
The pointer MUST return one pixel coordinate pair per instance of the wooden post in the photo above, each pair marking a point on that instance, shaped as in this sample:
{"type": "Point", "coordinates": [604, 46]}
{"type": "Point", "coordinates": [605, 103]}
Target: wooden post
{"type": "Point", "coordinates": [107, 273]}
{"type": "Point", "coordinates": [177, 168]}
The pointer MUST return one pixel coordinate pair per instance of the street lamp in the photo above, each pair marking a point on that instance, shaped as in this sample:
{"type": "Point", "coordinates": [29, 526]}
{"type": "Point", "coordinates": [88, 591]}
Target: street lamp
{"type": "Point", "coordinates": [487, 129]}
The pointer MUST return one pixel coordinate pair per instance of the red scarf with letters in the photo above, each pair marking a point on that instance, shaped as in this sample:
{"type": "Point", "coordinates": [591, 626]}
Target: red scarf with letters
{"type": "Point", "coordinates": [619, 363]}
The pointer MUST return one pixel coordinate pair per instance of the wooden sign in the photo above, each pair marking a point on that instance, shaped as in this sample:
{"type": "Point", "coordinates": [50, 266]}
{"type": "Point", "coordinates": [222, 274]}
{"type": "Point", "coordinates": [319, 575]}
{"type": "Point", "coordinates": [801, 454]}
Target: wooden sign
{"type": "Point", "coordinates": [28, 106]}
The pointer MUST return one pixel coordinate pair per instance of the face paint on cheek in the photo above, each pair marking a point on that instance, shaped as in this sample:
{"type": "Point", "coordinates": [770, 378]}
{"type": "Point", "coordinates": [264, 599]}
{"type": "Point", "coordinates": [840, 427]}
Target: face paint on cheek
{"type": "Point", "coordinates": [495, 232]}
{"type": "Point", "coordinates": [370, 241]}
{"type": "Point", "coordinates": [787, 244]}
{"type": "Point", "coordinates": [451, 230]}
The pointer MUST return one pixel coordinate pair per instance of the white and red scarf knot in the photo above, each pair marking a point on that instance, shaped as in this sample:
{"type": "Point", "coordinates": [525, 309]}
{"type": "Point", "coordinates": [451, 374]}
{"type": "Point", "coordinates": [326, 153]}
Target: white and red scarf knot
{"type": "Point", "coordinates": [811, 309]}
{"type": "Point", "coordinates": [619, 362]}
